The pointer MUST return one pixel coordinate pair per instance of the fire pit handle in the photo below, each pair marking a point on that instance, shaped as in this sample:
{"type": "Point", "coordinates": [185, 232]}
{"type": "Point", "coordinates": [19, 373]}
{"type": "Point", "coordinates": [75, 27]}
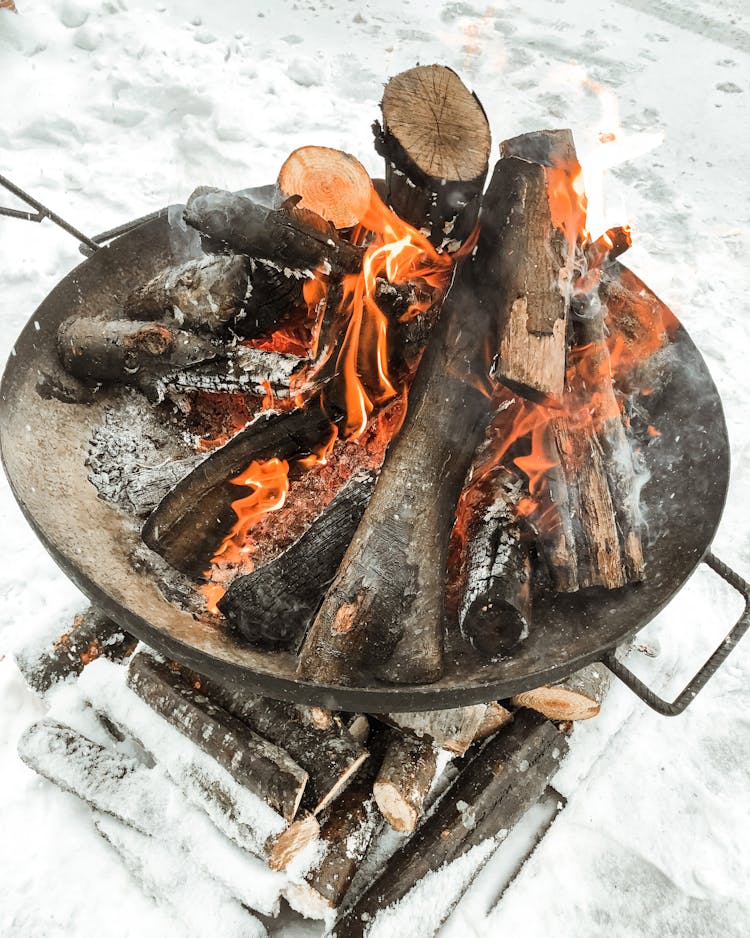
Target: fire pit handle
{"type": "Point", "coordinates": [709, 668]}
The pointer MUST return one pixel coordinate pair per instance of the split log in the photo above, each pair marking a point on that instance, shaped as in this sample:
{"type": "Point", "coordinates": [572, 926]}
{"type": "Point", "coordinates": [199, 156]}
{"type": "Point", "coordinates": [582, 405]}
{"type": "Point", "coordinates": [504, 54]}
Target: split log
{"type": "Point", "coordinates": [384, 612]}
{"type": "Point", "coordinates": [494, 610]}
{"type": "Point", "coordinates": [92, 634]}
{"type": "Point", "coordinates": [528, 283]}
{"type": "Point", "coordinates": [359, 727]}
{"type": "Point", "coordinates": [237, 224]}
{"type": "Point", "coordinates": [509, 775]}
{"type": "Point", "coordinates": [202, 295]}
{"type": "Point", "coordinates": [435, 140]}
{"type": "Point", "coordinates": [404, 779]}
{"type": "Point", "coordinates": [117, 784]}
{"type": "Point", "coordinates": [578, 697]}
{"type": "Point", "coordinates": [272, 606]}
{"type": "Point", "coordinates": [257, 764]}
{"type": "Point", "coordinates": [496, 716]}
{"type": "Point", "coordinates": [330, 757]}
{"type": "Point", "coordinates": [189, 524]}
{"type": "Point", "coordinates": [173, 880]}
{"type": "Point", "coordinates": [454, 729]}
{"type": "Point", "coordinates": [332, 183]}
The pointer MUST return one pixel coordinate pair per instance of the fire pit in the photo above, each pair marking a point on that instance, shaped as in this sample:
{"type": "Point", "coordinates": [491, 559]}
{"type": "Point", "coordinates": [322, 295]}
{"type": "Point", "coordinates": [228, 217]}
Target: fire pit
{"type": "Point", "coordinates": [47, 433]}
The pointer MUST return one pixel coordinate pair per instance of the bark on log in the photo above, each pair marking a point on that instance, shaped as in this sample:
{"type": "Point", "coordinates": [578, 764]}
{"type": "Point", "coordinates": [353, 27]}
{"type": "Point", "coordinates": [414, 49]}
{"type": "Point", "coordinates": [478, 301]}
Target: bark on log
{"type": "Point", "coordinates": [318, 717]}
{"type": "Point", "coordinates": [330, 757]}
{"type": "Point", "coordinates": [272, 606]}
{"type": "Point", "coordinates": [492, 792]}
{"type": "Point", "coordinates": [404, 780]}
{"type": "Point", "coordinates": [454, 729]}
{"type": "Point", "coordinates": [276, 294]}
{"type": "Point", "coordinates": [332, 183]}
{"type": "Point", "coordinates": [435, 140]}
{"type": "Point", "coordinates": [496, 716]}
{"type": "Point", "coordinates": [384, 612]}
{"type": "Point", "coordinates": [578, 697]}
{"type": "Point", "coordinates": [189, 524]}
{"type": "Point", "coordinates": [262, 767]}
{"type": "Point", "coordinates": [118, 785]}
{"type": "Point", "coordinates": [494, 611]}
{"type": "Point", "coordinates": [202, 295]}
{"type": "Point", "coordinates": [91, 634]}
{"type": "Point", "coordinates": [238, 224]}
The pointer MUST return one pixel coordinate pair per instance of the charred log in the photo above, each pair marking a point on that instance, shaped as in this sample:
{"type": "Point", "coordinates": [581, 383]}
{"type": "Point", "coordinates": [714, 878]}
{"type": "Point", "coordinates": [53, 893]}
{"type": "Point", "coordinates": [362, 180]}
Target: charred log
{"type": "Point", "coordinates": [577, 697]}
{"type": "Point", "coordinates": [235, 223]}
{"type": "Point", "coordinates": [190, 523]}
{"type": "Point", "coordinates": [272, 606]}
{"type": "Point", "coordinates": [492, 792]}
{"type": "Point", "coordinates": [436, 143]}
{"type": "Point", "coordinates": [260, 766]}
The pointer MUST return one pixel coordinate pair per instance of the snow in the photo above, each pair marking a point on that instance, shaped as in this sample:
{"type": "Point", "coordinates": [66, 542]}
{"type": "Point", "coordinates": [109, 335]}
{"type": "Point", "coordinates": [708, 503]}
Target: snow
{"type": "Point", "coordinates": [112, 109]}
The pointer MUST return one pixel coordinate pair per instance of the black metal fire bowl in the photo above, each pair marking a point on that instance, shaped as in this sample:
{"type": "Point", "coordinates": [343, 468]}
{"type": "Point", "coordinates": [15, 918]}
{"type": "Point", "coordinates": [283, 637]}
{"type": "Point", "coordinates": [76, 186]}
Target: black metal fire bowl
{"type": "Point", "coordinates": [44, 446]}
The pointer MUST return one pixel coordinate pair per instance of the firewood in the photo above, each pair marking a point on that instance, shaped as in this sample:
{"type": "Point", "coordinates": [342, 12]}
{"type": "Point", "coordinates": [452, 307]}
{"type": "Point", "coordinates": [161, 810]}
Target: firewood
{"type": "Point", "coordinates": [117, 784]}
{"type": "Point", "coordinates": [235, 369]}
{"type": "Point", "coordinates": [259, 765]}
{"type": "Point", "coordinates": [333, 184]}
{"type": "Point", "coordinates": [436, 143]}
{"type": "Point", "coordinates": [319, 717]}
{"type": "Point", "coordinates": [495, 605]}
{"type": "Point", "coordinates": [453, 729]}
{"type": "Point", "coordinates": [238, 224]}
{"type": "Point", "coordinates": [496, 716]}
{"type": "Point", "coordinates": [172, 879]}
{"type": "Point", "coordinates": [404, 779]}
{"type": "Point", "coordinates": [577, 697]}
{"type": "Point", "coordinates": [143, 491]}
{"type": "Point", "coordinates": [359, 727]}
{"type": "Point", "coordinates": [493, 791]}
{"type": "Point", "coordinates": [91, 634]}
{"type": "Point", "coordinates": [190, 522]}
{"type": "Point", "coordinates": [384, 612]}
{"type": "Point", "coordinates": [288, 845]}
{"type": "Point", "coordinates": [202, 295]}
{"type": "Point", "coordinates": [275, 295]}
{"type": "Point", "coordinates": [330, 757]}
{"type": "Point", "coordinates": [272, 606]}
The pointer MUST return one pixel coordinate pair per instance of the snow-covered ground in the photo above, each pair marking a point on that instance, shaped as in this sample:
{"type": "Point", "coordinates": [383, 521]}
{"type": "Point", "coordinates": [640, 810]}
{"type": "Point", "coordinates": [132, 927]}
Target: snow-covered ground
{"type": "Point", "coordinates": [113, 108]}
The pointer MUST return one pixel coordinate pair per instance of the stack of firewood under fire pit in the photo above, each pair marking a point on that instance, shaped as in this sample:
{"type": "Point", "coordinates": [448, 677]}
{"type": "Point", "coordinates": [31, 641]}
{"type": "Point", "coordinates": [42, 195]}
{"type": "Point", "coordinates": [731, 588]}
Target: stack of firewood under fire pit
{"type": "Point", "coordinates": [175, 763]}
{"type": "Point", "coordinates": [510, 470]}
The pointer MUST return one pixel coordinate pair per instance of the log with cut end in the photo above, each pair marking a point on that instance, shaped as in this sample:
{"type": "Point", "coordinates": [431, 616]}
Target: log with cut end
{"type": "Point", "coordinates": [578, 697]}
{"type": "Point", "coordinates": [496, 716]}
{"type": "Point", "coordinates": [405, 777]}
{"type": "Point", "coordinates": [454, 729]}
{"type": "Point", "coordinates": [384, 613]}
{"type": "Point", "coordinates": [262, 767]}
{"type": "Point", "coordinates": [493, 791]}
{"type": "Point", "coordinates": [91, 635]}
{"type": "Point", "coordinates": [331, 757]}
{"type": "Point", "coordinates": [272, 606]}
{"type": "Point", "coordinates": [494, 610]}
{"type": "Point", "coordinates": [288, 845]}
{"type": "Point", "coordinates": [436, 143]}
{"type": "Point", "coordinates": [235, 223]}
{"type": "Point", "coordinates": [191, 521]}
{"type": "Point", "coordinates": [332, 183]}
{"type": "Point", "coordinates": [202, 295]}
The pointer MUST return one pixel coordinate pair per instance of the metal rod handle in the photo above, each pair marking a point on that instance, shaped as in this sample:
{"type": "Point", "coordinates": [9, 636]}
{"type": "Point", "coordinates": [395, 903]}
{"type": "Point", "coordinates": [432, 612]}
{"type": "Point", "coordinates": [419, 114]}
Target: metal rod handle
{"type": "Point", "coordinates": [706, 672]}
{"type": "Point", "coordinates": [42, 212]}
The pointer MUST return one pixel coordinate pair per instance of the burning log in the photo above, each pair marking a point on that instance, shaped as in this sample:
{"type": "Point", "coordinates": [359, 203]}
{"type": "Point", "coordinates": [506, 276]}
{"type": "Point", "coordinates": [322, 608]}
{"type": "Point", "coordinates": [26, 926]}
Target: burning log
{"type": "Point", "coordinates": [272, 606]}
{"type": "Point", "coordinates": [260, 766]}
{"type": "Point", "coordinates": [202, 295]}
{"type": "Point", "coordinates": [454, 729]}
{"type": "Point", "coordinates": [333, 184]}
{"type": "Point", "coordinates": [331, 757]}
{"type": "Point", "coordinates": [91, 635]}
{"type": "Point", "coordinates": [577, 697]}
{"type": "Point", "coordinates": [239, 225]}
{"type": "Point", "coordinates": [384, 610]}
{"type": "Point", "coordinates": [528, 283]}
{"type": "Point", "coordinates": [116, 784]}
{"type": "Point", "coordinates": [494, 610]}
{"type": "Point", "coordinates": [190, 523]}
{"type": "Point", "coordinates": [436, 143]}
{"type": "Point", "coordinates": [405, 777]}
{"type": "Point", "coordinates": [492, 792]}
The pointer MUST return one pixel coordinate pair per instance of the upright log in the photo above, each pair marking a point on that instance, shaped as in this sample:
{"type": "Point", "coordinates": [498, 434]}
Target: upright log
{"type": "Point", "coordinates": [436, 143]}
